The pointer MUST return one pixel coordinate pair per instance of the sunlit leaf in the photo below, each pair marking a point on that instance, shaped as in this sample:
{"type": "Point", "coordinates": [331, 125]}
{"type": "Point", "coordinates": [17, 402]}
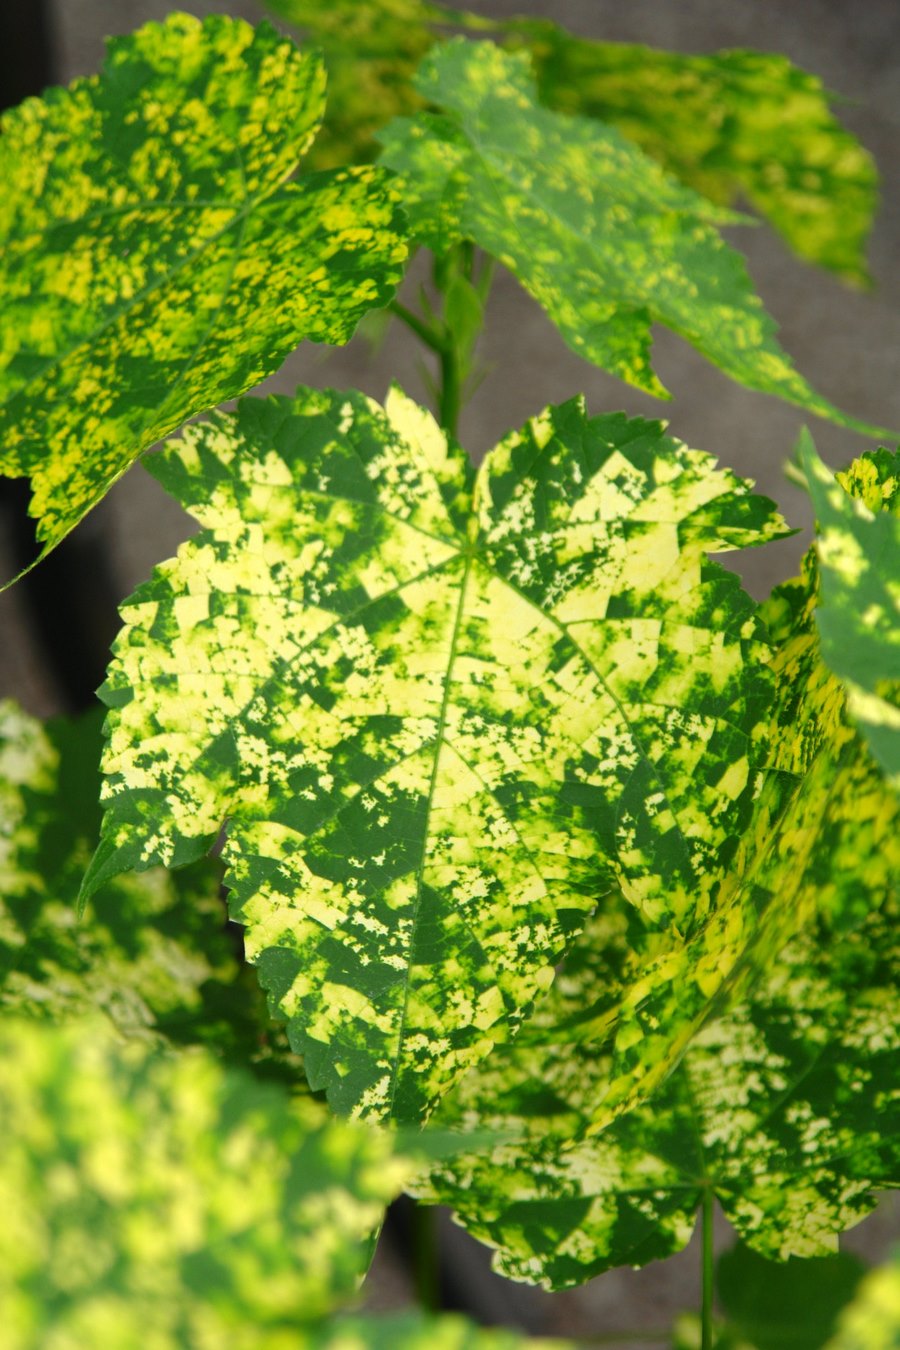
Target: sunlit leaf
{"type": "Point", "coordinates": [603, 238]}
{"type": "Point", "coordinates": [154, 1202]}
{"type": "Point", "coordinates": [155, 260]}
{"type": "Point", "coordinates": [152, 953]}
{"type": "Point", "coordinates": [734, 125]}
{"type": "Point", "coordinates": [858, 549]}
{"type": "Point", "coordinates": [441, 713]}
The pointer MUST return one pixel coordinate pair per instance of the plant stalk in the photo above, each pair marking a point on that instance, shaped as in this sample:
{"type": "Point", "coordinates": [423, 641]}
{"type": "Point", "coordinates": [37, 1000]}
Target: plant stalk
{"type": "Point", "coordinates": [425, 1257]}
{"type": "Point", "coordinates": [706, 1306]}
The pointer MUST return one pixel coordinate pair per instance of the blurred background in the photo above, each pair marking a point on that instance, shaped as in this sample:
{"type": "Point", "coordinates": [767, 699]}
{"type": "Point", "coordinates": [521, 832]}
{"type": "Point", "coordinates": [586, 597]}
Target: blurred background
{"type": "Point", "coordinates": [56, 626]}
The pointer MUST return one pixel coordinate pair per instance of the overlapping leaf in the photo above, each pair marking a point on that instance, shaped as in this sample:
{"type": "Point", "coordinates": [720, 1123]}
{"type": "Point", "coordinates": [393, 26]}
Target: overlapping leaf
{"type": "Point", "coordinates": [858, 549]}
{"type": "Point", "coordinates": [153, 954]}
{"type": "Point", "coordinates": [790, 1305]}
{"type": "Point", "coordinates": [731, 124]}
{"type": "Point", "coordinates": [415, 1331]}
{"type": "Point", "coordinates": [787, 1108]}
{"type": "Point", "coordinates": [593, 228]}
{"type": "Point", "coordinates": [158, 1201]}
{"type": "Point", "coordinates": [441, 716]}
{"type": "Point", "coordinates": [155, 260]}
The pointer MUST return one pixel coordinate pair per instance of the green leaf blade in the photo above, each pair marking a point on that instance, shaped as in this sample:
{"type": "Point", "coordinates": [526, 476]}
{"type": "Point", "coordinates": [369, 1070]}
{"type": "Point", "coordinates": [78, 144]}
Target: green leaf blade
{"type": "Point", "coordinates": [156, 262]}
{"type": "Point", "coordinates": [605, 240]}
{"type": "Point", "coordinates": [403, 697]}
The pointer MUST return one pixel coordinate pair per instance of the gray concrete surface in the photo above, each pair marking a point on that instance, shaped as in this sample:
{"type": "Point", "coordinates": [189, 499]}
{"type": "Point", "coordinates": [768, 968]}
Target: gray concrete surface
{"type": "Point", "coordinates": [846, 343]}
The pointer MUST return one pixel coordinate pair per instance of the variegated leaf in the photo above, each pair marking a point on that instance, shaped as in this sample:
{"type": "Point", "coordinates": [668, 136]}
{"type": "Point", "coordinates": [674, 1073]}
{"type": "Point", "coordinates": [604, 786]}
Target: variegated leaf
{"type": "Point", "coordinates": [155, 260]}
{"type": "Point", "coordinates": [787, 1109]}
{"type": "Point", "coordinates": [442, 714]}
{"type": "Point", "coordinates": [858, 549]}
{"type": "Point", "coordinates": [604, 239]}
{"type": "Point", "coordinates": [153, 955]}
{"type": "Point", "coordinates": [731, 124]}
{"type": "Point", "coordinates": [155, 1200]}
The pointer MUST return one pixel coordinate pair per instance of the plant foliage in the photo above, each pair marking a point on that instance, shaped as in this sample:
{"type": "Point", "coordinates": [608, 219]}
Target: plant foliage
{"type": "Point", "coordinates": [155, 258]}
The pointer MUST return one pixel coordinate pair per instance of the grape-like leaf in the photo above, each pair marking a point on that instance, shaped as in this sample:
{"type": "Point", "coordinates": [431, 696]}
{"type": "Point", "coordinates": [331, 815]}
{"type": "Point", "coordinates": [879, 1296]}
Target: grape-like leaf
{"type": "Point", "coordinates": [442, 713]}
{"type": "Point", "coordinates": [593, 228]}
{"type": "Point", "coordinates": [787, 1109]}
{"type": "Point", "coordinates": [153, 955]}
{"type": "Point", "coordinates": [858, 548]}
{"type": "Point", "coordinates": [155, 260]}
{"type": "Point", "coordinates": [731, 124]}
{"type": "Point", "coordinates": [161, 1200]}
{"type": "Point", "coordinates": [784, 1106]}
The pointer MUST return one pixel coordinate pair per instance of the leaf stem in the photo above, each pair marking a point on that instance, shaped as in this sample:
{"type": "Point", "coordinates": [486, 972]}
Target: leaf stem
{"type": "Point", "coordinates": [706, 1306]}
{"type": "Point", "coordinates": [451, 389]}
{"type": "Point", "coordinates": [425, 1256]}
{"type": "Point", "coordinates": [430, 336]}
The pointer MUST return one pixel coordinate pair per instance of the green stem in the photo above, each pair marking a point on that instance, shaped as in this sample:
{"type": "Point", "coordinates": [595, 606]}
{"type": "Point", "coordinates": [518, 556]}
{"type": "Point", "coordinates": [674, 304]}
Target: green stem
{"type": "Point", "coordinates": [451, 389]}
{"type": "Point", "coordinates": [706, 1307]}
{"type": "Point", "coordinates": [425, 1257]}
{"type": "Point", "coordinates": [422, 330]}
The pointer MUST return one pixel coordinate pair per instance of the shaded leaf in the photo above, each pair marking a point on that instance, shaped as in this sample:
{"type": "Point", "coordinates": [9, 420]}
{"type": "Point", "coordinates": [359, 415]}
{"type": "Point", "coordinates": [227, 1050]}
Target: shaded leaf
{"type": "Point", "coordinates": [153, 953]}
{"type": "Point", "coordinates": [442, 714]}
{"type": "Point", "coordinates": [604, 239]}
{"type": "Point", "coordinates": [155, 260]}
{"type": "Point", "coordinates": [731, 124]}
{"type": "Point", "coordinates": [790, 1305]}
{"type": "Point", "coordinates": [872, 1321]}
{"type": "Point", "coordinates": [161, 1201]}
{"type": "Point", "coordinates": [417, 1331]}
{"type": "Point", "coordinates": [858, 549]}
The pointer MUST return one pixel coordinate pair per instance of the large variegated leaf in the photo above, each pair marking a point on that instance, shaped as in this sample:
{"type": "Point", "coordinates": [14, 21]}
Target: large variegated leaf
{"type": "Point", "coordinates": [594, 229]}
{"type": "Point", "coordinates": [787, 1109]}
{"type": "Point", "coordinates": [732, 124]}
{"type": "Point", "coordinates": [154, 1202]}
{"type": "Point", "coordinates": [442, 714]}
{"type": "Point", "coordinates": [154, 955]}
{"type": "Point", "coordinates": [155, 260]}
{"type": "Point", "coordinates": [858, 548]}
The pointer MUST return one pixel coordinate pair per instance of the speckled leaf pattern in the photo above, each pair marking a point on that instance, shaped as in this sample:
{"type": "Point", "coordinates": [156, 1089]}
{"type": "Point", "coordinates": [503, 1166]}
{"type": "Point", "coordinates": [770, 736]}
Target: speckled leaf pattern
{"type": "Point", "coordinates": [872, 1321]}
{"type": "Point", "coordinates": [442, 714]}
{"type": "Point", "coordinates": [152, 954]}
{"type": "Point", "coordinates": [155, 260]}
{"type": "Point", "coordinates": [858, 549]}
{"type": "Point", "coordinates": [372, 49]}
{"type": "Point", "coordinates": [787, 1108]}
{"type": "Point", "coordinates": [732, 124]}
{"type": "Point", "coordinates": [153, 1201]}
{"type": "Point", "coordinates": [593, 228]}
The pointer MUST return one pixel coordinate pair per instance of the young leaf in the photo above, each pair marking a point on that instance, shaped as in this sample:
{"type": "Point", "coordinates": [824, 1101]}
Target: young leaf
{"type": "Point", "coordinates": [155, 260]}
{"type": "Point", "coordinates": [160, 1200]}
{"type": "Point", "coordinates": [786, 1108]}
{"type": "Point", "coordinates": [858, 550]}
{"type": "Point", "coordinates": [733, 124]}
{"type": "Point", "coordinates": [604, 239]}
{"type": "Point", "coordinates": [153, 955]}
{"type": "Point", "coordinates": [442, 714]}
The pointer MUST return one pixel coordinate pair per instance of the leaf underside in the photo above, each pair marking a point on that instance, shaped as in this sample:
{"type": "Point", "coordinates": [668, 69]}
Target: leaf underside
{"type": "Point", "coordinates": [442, 715]}
{"type": "Point", "coordinates": [155, 261]}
